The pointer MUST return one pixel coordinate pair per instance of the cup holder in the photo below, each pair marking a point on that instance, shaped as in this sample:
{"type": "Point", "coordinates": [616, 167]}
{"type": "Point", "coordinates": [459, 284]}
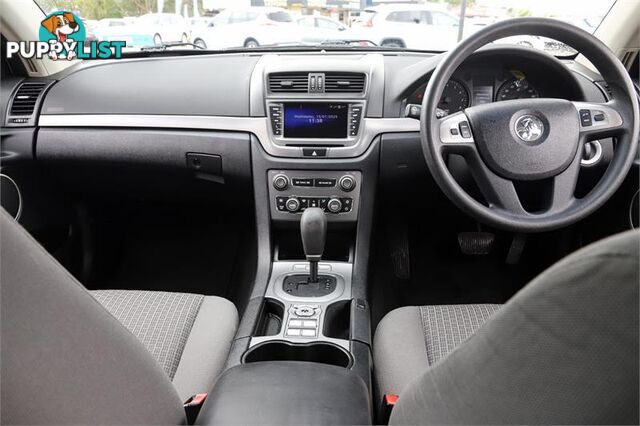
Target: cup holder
{"type": "Point", "coordinates": [324, 353]}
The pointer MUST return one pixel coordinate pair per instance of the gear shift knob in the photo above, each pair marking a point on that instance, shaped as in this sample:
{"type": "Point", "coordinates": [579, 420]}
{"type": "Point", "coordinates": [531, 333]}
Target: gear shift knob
{"type": "Point", "coordinates": [313, 229]}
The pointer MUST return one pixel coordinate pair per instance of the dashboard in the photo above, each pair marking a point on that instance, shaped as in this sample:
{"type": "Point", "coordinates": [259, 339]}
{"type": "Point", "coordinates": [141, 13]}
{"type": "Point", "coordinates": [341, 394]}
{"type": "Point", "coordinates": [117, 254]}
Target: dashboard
{"type": "Point", "coordinates": [229, 118]}
{"type": "Point", "coordinates": [295, 104]}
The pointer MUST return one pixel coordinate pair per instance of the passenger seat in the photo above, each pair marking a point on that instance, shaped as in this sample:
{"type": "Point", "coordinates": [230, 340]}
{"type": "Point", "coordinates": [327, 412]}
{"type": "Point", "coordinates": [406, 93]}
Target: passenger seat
{"type": "Point", "coordinates": [68, 360]}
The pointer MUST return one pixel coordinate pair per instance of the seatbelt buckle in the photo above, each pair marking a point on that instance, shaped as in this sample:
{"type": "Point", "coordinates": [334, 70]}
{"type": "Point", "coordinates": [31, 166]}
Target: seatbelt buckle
{"type": "Point", "coordinates": [193, 405]}
{"type": "Point", "coordinates": [388, 402]}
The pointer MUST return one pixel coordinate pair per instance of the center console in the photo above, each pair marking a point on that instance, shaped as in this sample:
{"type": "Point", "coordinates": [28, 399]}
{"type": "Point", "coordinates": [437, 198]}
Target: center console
{"type": "Point", "coordinates": [303, 350]}
{"type": "Point", "coordinates": [312, 297]}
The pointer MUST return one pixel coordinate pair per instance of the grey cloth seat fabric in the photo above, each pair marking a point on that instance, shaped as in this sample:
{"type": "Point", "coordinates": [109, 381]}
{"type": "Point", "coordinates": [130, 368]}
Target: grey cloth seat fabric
{"type": "Point", "coordinates": [65, 359]}
{"type": "Point", "coordinates": [189, 335]}
{"type": "Point", "coordinates": [410, 339]}
{"type": "Point", "coordinates": [564, 350]}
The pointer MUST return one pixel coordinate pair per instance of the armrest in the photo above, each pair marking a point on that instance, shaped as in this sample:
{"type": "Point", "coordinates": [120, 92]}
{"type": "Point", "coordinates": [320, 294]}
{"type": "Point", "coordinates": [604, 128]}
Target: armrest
{"type": "Point", "coordinates": [287, 393]}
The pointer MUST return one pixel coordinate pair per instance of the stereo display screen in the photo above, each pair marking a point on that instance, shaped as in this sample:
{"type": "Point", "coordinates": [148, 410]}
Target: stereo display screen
{"type": "Point", "coordinates": [315, 120]}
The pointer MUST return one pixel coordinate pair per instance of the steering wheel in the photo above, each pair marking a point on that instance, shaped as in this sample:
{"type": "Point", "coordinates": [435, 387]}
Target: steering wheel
{"type": "Point", "coordinates": [530, 139]}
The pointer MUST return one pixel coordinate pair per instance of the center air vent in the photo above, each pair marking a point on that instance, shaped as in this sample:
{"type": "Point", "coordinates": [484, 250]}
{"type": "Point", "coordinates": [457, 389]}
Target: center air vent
{"type": "Point", "coordinates": [289, 82]}
{"type": "Point", "coordinates": [344, 82]}
{"type": "Point", "coordinates": [305, 82]}
{"type": "Point", "coordinates": [25, 99]}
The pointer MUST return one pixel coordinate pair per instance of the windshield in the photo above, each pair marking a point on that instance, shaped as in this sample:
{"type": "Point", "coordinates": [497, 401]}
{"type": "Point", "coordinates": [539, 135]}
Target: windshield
{"type": "Point", "coordinates": [237, 24]}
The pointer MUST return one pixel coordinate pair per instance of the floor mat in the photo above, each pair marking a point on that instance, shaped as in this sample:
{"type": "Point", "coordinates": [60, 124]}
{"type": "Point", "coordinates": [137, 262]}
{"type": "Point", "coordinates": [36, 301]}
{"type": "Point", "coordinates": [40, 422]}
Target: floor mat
{"type": "Point", "coordinates": [168, 249]}
{"type": "Point", "coordinates": [440, 273]}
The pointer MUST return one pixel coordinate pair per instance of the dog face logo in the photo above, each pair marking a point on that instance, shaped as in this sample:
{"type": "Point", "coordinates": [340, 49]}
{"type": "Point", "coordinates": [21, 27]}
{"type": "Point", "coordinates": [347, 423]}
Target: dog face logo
{"type": "Point", "coordinates": [65, 30]}
{"type": "Point", "coordinates": [61, 26]}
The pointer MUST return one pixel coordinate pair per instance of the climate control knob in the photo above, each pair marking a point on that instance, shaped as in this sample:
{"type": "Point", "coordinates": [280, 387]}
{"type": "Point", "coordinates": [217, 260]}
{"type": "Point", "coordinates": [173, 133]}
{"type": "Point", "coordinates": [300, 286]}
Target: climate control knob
{"type": "Point", "coordinates": [280, 182]}
{"type": "Point", "coordinates": [292, 204]}
{"type": "Point", "coordinates": [334, 205]}
{"type": "Point", "coordinates": [347, 183]}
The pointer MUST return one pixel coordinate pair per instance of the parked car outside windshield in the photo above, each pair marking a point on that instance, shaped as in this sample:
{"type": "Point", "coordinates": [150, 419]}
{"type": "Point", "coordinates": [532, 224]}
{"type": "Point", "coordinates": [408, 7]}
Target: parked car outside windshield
{"type": "Point", "coordinates": [241, 24]}
{"type": "Point", "coordinates": [248, 27]}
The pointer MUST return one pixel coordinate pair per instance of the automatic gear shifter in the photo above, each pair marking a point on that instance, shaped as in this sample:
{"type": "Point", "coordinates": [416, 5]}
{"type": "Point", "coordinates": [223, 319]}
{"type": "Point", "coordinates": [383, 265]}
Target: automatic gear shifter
{"type": "Point", "coordinates": [313, 229]}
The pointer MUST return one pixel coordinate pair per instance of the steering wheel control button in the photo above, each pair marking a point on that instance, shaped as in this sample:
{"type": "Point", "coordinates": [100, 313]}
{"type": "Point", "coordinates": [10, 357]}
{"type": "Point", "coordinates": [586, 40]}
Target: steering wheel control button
{"type": "Point", "coordinates": [334, 205]}
{"type": "Point", "coordinates": [302, 181]}
{"type": "Point", "coordinates": [454, 131]}
{"type": "Point", "coordinates": [293, 204]}
{"type": "Point", "coordinates": [585, 117]}
{"type": "Point", "coordinates": [465, 130]}
{"type": "Point", "coordinates": [280, 182]}
{"type": "Point", "coordinates": [347, 183]}
{"type": "Point", "coordinates": [598, 116]}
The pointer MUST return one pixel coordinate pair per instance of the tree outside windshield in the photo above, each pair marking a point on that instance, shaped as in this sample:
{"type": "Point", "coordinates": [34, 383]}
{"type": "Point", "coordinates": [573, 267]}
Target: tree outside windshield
{"type": "Point", "coordinates": [230, 24]}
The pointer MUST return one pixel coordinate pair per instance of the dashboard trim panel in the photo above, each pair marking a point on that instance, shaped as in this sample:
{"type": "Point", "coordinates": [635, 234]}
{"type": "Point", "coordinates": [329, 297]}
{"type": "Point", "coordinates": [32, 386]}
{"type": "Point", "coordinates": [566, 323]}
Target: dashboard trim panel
{"type": "Point", "coordinates": [259, 126]}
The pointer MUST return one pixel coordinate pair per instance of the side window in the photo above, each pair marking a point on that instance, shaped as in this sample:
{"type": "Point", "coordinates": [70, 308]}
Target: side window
{"type": "Point", "coordinates": [327, 24]}
{"type": "Point", "coordinates": [280, 16]}
{"type": "Point", "coordinates": [439, 18]}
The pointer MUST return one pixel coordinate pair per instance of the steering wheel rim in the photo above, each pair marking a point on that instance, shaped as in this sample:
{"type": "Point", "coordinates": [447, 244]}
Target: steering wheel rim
{"type": "Point", "coordinates": [554, 155]}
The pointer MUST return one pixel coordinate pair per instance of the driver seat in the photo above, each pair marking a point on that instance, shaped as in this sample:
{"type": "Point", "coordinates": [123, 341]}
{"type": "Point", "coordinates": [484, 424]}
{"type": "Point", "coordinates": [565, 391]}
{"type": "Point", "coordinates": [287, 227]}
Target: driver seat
{"type": "Point", "coordinates": [564, 350]}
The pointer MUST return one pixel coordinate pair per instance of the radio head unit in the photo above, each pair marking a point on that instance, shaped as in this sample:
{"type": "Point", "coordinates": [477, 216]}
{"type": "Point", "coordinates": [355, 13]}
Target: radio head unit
{"type": "Point", "coordinates": [315, 120]}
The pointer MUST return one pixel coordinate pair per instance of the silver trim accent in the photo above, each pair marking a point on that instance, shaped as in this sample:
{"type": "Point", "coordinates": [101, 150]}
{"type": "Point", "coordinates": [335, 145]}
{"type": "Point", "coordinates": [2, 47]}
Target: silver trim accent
{"type": "Point", "coordinates": [612, 118]}
{"type": "Point", "coordinates": [596, 157]}
{"type": "Point", "coordinates": [258, 126]}
{"type": "Point", "coordinates": [19, 212]}
{"type": "Point", "coordinates": [450, 122]}
{"type": "Point", "coordinates": [341, 270]}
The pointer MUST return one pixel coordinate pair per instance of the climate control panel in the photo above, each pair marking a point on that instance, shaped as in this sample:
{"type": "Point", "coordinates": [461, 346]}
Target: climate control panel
{"type": "Point", "coordinates": [293, 191]}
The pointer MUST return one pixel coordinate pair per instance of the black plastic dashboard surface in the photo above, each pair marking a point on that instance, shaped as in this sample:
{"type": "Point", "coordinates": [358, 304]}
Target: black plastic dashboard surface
{"type": "Point", "coordinates": [198, 85]}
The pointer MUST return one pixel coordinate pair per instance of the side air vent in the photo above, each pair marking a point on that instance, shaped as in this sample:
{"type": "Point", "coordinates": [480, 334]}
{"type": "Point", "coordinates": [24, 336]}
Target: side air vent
{"type": "Point", "coordinates": [289, 82]}
{"type": "Point", "coordinates": [25, 99]}
{"type": "Point", "coordinates": [25, 102]}
{"type": "Point", "coordinates": [344, 82]}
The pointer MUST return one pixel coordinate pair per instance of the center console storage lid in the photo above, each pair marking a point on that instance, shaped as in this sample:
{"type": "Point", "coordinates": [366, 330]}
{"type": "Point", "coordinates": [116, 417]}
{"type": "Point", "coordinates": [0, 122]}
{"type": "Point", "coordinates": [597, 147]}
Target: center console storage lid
{"type": "Point", "coordinates": [287, 393]}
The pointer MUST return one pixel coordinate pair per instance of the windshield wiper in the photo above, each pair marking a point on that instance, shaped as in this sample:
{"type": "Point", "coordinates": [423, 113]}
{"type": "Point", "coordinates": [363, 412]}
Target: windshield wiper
{"type": "Point", "coordinates": [166, 45]}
